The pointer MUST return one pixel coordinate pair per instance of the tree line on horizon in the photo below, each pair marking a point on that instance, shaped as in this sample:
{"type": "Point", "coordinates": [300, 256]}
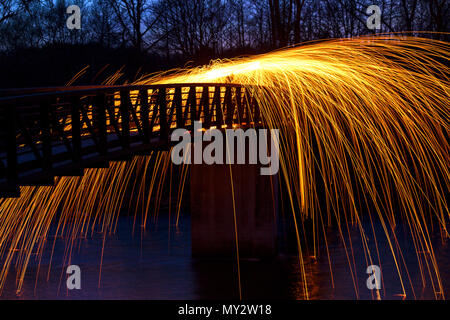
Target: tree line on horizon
{"type": "Point", "coordinates": [150, 35]}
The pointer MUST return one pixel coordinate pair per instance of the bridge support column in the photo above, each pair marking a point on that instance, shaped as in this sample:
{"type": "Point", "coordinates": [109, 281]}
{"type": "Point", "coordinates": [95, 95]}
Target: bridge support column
{"type": "Point", "coordinates": [212, 211]}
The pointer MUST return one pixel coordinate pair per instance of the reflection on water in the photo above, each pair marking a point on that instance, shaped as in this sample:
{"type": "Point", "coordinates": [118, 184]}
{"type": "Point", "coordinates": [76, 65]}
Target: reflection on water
{"type": "Point", "coordinates": [158, 265]}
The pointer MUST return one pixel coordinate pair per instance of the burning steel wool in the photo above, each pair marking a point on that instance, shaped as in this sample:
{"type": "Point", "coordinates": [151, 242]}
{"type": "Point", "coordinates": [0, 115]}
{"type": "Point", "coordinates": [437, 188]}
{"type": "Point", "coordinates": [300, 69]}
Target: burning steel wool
{"type": "Point", "coordinates": [367, 116]}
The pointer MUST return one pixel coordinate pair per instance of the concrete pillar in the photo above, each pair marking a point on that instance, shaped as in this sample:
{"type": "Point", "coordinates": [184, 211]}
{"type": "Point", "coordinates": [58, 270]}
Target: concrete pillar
{"type": "Point", "coordinates": [212, 213]}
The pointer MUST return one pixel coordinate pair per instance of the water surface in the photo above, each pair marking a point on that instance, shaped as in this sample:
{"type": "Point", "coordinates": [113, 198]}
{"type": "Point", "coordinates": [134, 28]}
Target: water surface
{"type": "Point", "coordinates": [157, 264]}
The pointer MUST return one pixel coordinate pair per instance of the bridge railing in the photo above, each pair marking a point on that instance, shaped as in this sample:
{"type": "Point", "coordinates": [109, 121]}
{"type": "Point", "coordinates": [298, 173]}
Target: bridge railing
{"type": "Point", "coordinates": [44, 133]}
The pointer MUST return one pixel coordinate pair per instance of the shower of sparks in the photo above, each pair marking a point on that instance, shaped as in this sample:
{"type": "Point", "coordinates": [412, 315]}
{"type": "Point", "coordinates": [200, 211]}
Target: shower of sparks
{"type": "Point", "coordinates": [367, 116]}
{"type": "Point", "coordinates": [81, 206]}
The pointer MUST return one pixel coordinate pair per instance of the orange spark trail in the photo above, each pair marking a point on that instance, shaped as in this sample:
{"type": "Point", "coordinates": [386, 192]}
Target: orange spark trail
{"type": "Point", "coordinates": [367, 116]}
{"type": "Point", "coordinates": [370, 117]}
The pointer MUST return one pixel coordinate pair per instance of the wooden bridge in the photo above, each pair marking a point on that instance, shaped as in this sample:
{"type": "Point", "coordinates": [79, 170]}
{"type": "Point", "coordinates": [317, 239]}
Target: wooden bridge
{"type": "Point", "coordinates": [48, 132]}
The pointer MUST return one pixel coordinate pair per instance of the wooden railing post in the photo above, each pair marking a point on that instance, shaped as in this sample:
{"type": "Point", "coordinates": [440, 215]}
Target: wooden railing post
{"type": "Point", "coordinates": [246, 101]}
{"type": "Point", "coordinates": [76, 129]}
{"type": "Point", "coordinates": [230, 107]}
{"type": "Point", "coordinates": [178, 107]}
{"type": "Point", "coordinates": [192, 103]}
{"type": "Point", "coordinates": [125, 117]}
{"type": "Point", "coordinates": [99, 118]}
{"type": "Point", "coordinates": [162, 103]}
{"type": "Point", "coordinates": [46, 138]}
{"type": "Point", "coordinates": [204, 104]}
{"type": "Point", "coordinates": [218, 106]}
{"type": "Point", "coordinates": [145, 114]}
{"type": "Point", "coordinates": [11, 145]}
{"type": "Point", "coordinates": [240, 113]}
